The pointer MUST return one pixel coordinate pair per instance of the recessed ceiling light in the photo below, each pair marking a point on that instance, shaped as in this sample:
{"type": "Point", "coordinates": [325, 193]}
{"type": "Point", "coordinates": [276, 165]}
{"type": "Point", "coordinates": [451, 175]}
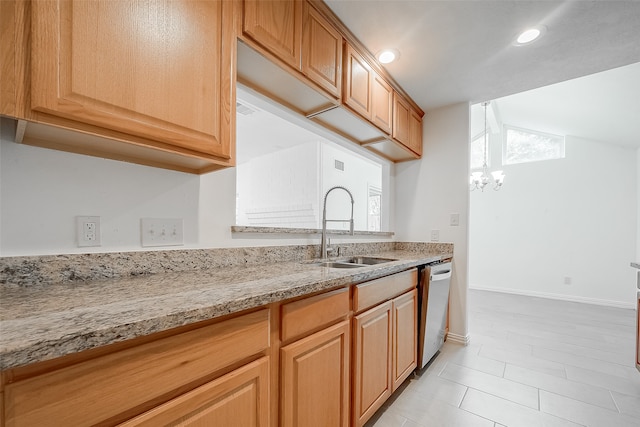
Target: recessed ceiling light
{"type": "Point", "coordinates": [388, 55]}
{"type": "Point", "coordinates": [529, 35]}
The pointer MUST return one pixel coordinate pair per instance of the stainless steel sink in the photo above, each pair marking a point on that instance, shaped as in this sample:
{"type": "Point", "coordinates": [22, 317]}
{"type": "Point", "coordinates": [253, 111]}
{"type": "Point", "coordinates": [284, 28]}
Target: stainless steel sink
{"type": "Point", "coordinates": [367, 260]}
{"type": "Point", "coordinates": [336, 264]}
{"type": "Point", "coordinates": [354, 262]}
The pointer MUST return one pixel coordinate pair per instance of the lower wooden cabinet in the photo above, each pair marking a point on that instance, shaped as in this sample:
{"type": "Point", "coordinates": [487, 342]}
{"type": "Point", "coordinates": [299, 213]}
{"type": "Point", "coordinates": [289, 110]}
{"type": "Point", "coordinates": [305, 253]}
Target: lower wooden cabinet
{"type": "Point", "coordinates": [405, 336]}
{"type": "Point", "coordinates": [116, 386]}
{"type": "Point", "coordinates": [385, 341]}
{"type": "Point", "coordinates": [315, 379]}
{"type": "Point", "coordinates": [240, 398]}
{"type": "Point", "coordinates": [333, 368]}
{"type": "Point", "coordinates": [373, 356]}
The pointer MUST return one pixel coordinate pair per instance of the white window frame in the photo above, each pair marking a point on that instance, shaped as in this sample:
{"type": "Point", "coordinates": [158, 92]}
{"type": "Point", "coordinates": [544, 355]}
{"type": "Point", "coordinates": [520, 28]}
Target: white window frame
{"type": "Point", "coordinates": [506, 129]}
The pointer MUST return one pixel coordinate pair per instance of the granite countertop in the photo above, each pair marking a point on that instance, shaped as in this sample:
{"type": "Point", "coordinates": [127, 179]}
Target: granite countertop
{"type": "Point", "coordinates": [38, 323]}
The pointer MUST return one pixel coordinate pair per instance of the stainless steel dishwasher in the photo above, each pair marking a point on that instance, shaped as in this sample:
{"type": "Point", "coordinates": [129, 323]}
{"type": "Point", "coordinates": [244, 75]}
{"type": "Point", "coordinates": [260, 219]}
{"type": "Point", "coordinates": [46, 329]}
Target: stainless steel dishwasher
{"type": "Point", "coordinates": [433, 304]}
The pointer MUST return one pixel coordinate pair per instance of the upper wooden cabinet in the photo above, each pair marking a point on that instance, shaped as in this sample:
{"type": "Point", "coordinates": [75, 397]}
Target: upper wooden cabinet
{"type": "Point", "coordinates": [415, 132]}
{"type": "Point", "coordinates": [366, 92]}
{"type": "Point", "coordinates": [381, 103]}
{"type": "Point", "coordinates": [159, 70]}
{"type": "Point", "coordinates": [357, 82]}
{"type": "Point", "coordinates": [277, 26]}
{"type": "Point", "coordinates": [295, 33]}
{"type": "Point", "coordinates": [321, 51]}
{"type": "Point", "coordinates": [407, 124]}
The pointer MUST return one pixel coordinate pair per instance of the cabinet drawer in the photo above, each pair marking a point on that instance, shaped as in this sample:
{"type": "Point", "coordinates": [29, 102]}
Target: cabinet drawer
{"type": "Point", "coordinates": [368, 294]}
{"type": "Point", "coordinates": [239, 398]}
{"type": "Point", "coordinates": [101, 389]}
{"type": "Point", "coordinates": [301, 317]}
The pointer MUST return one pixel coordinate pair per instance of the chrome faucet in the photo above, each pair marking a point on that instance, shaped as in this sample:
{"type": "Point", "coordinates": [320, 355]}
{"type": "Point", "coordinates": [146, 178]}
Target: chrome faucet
{"type": "Point", "coordinates": [323, 242]}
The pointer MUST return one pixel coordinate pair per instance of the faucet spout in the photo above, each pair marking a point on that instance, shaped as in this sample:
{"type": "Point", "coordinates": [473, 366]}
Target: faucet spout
{"type": "Point", "coordinates": [323, 242]}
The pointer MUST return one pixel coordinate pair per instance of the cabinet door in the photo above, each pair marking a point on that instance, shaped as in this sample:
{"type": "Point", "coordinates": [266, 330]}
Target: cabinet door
{"type": "Point", "coordinates": [158, 69]}
{"type": "Point", "coordinates": [277, 26]}
{"type": "Point", "coordinates": [401, 113]}
{"type": "Point", "coordinates": [315, 379]}
{"type": "Point", "coordinates": [415, 132]}
{"type": "Point", "coordinates": [382, 103]}
{"type": "Point", "coordinates": [405, 334]}
{"type": "Point", "coordinates": [321, 52]}
{"type": "Point", "coordinates": [240, 398]}
{"type": "Point", "coordinates": [357, 83]}
{"type": "Point", "coordinates": [373, 352]}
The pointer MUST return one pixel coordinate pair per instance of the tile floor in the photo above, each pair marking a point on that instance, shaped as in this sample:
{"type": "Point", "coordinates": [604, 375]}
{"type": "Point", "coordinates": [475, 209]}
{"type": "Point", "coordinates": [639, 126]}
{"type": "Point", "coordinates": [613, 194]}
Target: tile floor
{"type": "Point", "coordinates": [531, 362]}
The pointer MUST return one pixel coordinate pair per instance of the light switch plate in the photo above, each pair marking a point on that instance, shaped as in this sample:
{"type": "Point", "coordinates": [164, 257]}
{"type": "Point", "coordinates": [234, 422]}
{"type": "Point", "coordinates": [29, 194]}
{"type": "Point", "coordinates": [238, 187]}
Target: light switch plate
{"type": "Point", "coordinates": [162, 232]}
{"type": "Point", "coordinates": [455, 219]}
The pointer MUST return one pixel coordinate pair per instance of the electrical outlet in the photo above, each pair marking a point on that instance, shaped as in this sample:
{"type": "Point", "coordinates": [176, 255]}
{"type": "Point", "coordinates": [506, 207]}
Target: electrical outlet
{"type": "Point", "coordinates": [88, 231]}
{"type": "Point", "coordinates": [435, 235]}
{"type": "Point", "coordinates": [567, 280]}
{"type": "Point", "coordinates": [162, 232]}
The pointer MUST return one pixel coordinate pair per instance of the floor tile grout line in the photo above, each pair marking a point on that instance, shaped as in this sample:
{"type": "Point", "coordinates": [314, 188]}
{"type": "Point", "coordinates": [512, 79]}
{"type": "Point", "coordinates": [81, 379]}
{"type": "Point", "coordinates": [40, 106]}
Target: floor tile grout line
{"type": "Point", "coordinates": [573, 354]}
{"type": "Point", "coordinates": [579, 401]}
{"type": "Point", "coordinates": [614, 402]}
{"type": "Point", "coordinates": [462, 400]}
{"type": "Point", "coordinates": [572, 382]}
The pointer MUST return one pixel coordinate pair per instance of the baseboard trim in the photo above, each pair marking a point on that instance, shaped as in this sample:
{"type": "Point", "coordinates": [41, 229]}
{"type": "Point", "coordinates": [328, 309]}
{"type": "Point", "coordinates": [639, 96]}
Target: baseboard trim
{"type": "Point", "coordinates": [459, 339]}
{"type": "Point", "coordinates": [572, 298]}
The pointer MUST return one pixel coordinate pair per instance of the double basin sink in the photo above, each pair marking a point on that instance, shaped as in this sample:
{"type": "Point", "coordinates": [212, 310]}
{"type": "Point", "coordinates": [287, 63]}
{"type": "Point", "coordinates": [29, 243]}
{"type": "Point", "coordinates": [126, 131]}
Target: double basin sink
{"type": "Point", "coordinates": [354, 262]}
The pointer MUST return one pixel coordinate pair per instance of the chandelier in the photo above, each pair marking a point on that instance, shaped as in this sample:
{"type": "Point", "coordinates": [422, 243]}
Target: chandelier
{"type": "Point", "coordinates": [479, 180]}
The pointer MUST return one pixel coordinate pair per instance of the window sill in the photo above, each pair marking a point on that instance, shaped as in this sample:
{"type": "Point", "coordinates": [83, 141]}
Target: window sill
{"type": "Point", "coordinates": [285, 230]}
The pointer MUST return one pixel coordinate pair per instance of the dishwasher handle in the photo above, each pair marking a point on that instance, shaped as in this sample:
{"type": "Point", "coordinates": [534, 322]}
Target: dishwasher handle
{"type": "Point", "coordinates": [440, 275]}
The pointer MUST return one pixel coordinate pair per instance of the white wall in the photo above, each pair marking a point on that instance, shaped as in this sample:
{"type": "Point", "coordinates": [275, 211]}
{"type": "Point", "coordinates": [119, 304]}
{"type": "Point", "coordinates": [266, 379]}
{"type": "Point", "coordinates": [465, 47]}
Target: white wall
{"type": "Point", "coordinates": [357, 175]}
{"type": "Point", "coordinates": [281, 180]}
{"type": "Point", "coordinates": [637, 258]}
{"type": "Point", "coordinates": [43, 190]}
{"type": "Point", "coordinates": [567, 218]}
{"type": "Point", "coordinates": [429, 190]}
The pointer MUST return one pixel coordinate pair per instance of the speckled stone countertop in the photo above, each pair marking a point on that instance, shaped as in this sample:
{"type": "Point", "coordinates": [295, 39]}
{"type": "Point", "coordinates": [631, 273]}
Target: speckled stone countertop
{"type": "Point", "coordinates": [45, 321]}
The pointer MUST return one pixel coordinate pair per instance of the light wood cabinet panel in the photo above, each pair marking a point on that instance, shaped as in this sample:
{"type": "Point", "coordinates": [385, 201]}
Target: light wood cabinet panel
{"type": "Point", "coordinates": [357, 83]}
{"type": "Point", "coordinates": [309, 314]}
{"type": "Point", "coordinates": [405, 333]}
{"type": "Point", "coordinates": [240, 398]}
{"type": "Point", "coordinates": [415, 132]}
{"type": "Point", "coordinates": [91, 392]}
{"type": "Point", "coordinates": [407, 124]}
{"type": "Point", "coordinates": [315, 379]}
{"type": "Point", "coordinates": [321, 52]}
{"type": "Point", "coordinates": [372, 367]}
{"type": "Point", "coordinates": [277, 26]}
{"type": "Point", "coordinates": [371, 293]}
{"type": "Point", "coordinates": [401, 113]}
{"type": "Point", "coordinates": [160, 70]}
{"type": "Point", "coordinates": [382, 103]}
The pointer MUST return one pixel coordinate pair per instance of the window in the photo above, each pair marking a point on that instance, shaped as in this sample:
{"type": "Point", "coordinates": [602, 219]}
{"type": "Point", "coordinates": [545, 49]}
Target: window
{"type": "Point", "coordinates": [477, 152]}
{"type": "Point", "coordinates": [284, 170]}
{"type": "Point", "coordinates": [375, 208]}
{"type": "Point", "coordinates": [523, 145]}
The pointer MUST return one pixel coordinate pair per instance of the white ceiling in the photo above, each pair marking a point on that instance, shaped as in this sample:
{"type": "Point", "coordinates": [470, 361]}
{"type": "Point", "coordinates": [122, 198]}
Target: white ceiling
{"type": "Point", "coordinates": [458, 51]}
{"type": "Point", "coordinates": [603, 107]}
